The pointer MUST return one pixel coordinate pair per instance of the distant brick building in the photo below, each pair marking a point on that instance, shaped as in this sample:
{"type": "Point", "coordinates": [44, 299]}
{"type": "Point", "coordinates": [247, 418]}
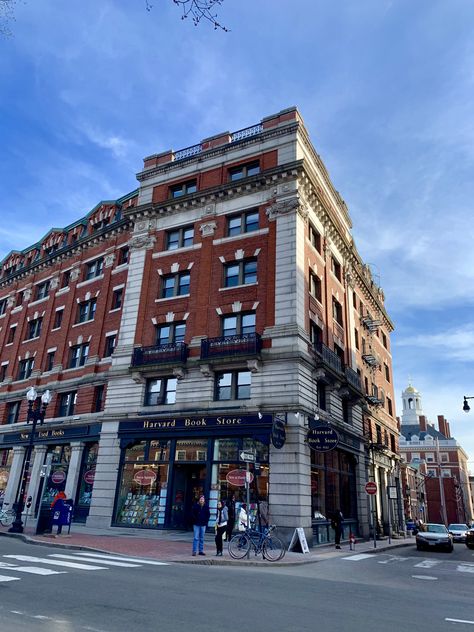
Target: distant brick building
{"type": "Point", "coordinates": [219, 305]}
{"type": "Point", "coordinates": [440, 459]}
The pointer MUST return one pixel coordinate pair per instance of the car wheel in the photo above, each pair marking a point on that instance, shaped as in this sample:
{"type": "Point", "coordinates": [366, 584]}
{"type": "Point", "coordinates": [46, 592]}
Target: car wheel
{"type": "Point", "coordinates": [470, 546]}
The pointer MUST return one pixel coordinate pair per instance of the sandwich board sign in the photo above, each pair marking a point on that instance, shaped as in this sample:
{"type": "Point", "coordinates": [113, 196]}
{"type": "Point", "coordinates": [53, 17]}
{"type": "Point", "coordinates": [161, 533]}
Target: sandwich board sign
{"type": "Point", "coordinates": [298, 541]}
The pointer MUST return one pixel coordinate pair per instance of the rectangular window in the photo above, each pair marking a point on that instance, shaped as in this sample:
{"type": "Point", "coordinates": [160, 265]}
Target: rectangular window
{"type": "Point", "coordinates": [345, 411]}
{"type": "Point", "coordinates": [244, 171]}
{"type": "Point", "coordinates": [124, 255]}
{"type": "Point", "coordinates": [384, 340]}
{"type": "Point", "coordinates": [3, 372]}
{"type": "Point", "coordinates": [233, 385]}
{"type": "Point", "coordinates": [66, 278]}
{"type": "Point", "coordinates": [314, 238]}
{"type": "Point", "coordinates": [315, 286]}
{"type": "Point", "coordinates": [184, 188]}
{"type": "Point", "coordinates": [94, 268]}
{"type": "Point", "coordinates": [378, 430]}
{"type": "Point", "coordinates": [99, 392]}
{"type": "Point", "coordinates": [19, 299]}
{"type": "Point", "coordinates": [13, 412]}
{"type": "Point", "coordinates": [243, 223]}
{"type": "Point", "coordinates": [3, 306]}
{"type": "Point", "coordinates": [445, 472]}
{"type": "Point", "coordinates": [86, 310]}
{"type": "Point", "coordinates": [78, 355]}
{"type": "Point", "coordinates": [238, 324]}
{"type": "Point", "coordinates": [42, 290]}
{"type": "Point", "coordinates": [11, 334]}
{"type": "Point", "coordinates": [444, 457]}
{"type": "Point", "coordinates": [117, 298]}
{"type": "Point", "coordinates": [354, 300]}
{"type": "Point", "coordinates": [58, 318]}
{"type": "Point", "coordinates": [321, 395]}
{"type": "Point", "coordinates": [430, 458]}
{"type": "Point", "coordinates": [67, 403]}
{"type": "Point", "coordinates": [160, 391]}
{"type": "Point", "coordinates": [170, 334]}
{"type": "Point", "coordinates": [337, 311]}
{"type": "Point", "coordinates": [110, 342]}
{"type": "Point", "coordinates": [387, 372]}
{"type": "Point", "coordinates": [315, 333]}
{"type": "Point", "coordinates": [34, 328]}
{"type": "Point", "coordinates": [175, 285]}
{"type": "Point", "coordinates": [180, 238]}
{"type": "Point", "coordinates": [336, 268]}
{"type": "Point", "coordinates": [393, 443]}
{"type": "Point", "coordinates": [49, 361]}
{"type": "Point", "coordinates": [389, 406]}
{"type": "Point", "coordinates": [356, 338]}
{"type": "Point", "coordinates": [25, 368]}
{"type": "Point", "coordinates": [241, 273]}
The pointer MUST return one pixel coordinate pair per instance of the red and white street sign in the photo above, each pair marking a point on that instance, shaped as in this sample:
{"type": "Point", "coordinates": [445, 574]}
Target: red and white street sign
{"type": "Point", "coordinates": [371, 488]}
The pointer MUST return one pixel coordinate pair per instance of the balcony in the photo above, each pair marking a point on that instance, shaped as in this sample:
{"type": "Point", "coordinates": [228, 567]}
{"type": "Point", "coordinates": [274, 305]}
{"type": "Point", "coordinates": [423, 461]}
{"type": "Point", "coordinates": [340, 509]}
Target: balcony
{"type": "Point", "coordinates": [353, 379]}
{"type": "Point", "coordinates": [329, 358]}
{"type": "Point", "coordinates": [176, 352]}
{"type": "Point", "coordinates": [231, 346]}
{"type": "Point", "coordinates": [374, 400]}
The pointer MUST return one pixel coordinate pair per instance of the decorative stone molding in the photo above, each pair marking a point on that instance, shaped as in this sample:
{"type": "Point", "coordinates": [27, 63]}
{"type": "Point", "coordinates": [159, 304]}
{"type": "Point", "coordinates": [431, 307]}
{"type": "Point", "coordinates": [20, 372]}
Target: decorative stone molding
{"type": "Point", "coordinates": [109, 260]}
{"type": "Point", "coordinates": [254, 365]}
{"type": "Point", "coordinates": [208, 229]}
{"type": "Point", "coordinates": [282, 207]}
{"type": "Point", "coordinates": [206, 370]}
{"type": "Point", "coordinates": [10, 301]}
{"type": "Point", "coordinates": [179, 372]}
{"type": "Point", "coordinates": [137, 377]}
{"type": "Point", "coordinates": [141, 241]}
{"type": "Point", "coordinates": [75, 272]}
{"type": "Point", "coordinates": [144, 225]}
{"type": "Point", "coordinates": [236, 306]}
{"type": "Point", "coordinates": [54, 283]}
{"type": "Point", "coordinates": [27, 294]}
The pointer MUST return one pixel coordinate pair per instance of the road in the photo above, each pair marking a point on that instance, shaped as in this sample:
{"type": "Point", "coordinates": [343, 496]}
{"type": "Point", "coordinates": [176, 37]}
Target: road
{"type": "Point", "coordinates": [50, 590]}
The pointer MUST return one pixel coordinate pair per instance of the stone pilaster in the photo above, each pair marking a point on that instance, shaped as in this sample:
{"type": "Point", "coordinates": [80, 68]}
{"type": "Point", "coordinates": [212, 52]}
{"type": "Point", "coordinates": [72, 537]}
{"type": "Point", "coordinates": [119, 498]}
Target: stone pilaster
{"type": "Point", "coordinates": [39, 454]}
{"type": "Point", "coordinates": [14, 477]}
{"type": "Point", "coordinates": [74, 469]}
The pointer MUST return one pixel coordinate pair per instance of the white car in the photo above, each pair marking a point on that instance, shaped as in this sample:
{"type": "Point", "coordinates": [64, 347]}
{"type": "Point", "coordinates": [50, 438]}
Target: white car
{"type": "Point", "coordinates": [434, 535]}
{"type": "Point", "coordinates": [458, 531]}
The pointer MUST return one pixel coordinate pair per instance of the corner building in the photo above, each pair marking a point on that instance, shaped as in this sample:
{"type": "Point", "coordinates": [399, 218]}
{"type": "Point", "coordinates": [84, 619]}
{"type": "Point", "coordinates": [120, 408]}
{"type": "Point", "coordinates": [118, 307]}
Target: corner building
{"type": "Point", "coordinates": [244, 301]}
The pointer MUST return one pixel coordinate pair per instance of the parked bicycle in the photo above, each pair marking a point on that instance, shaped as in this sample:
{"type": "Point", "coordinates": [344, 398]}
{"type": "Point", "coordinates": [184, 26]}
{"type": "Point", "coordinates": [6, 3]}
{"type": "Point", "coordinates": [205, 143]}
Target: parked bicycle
{"type": "Point", "coordinates": [265, 542]}
{"type": "Point", "coordinates": [7, 516]}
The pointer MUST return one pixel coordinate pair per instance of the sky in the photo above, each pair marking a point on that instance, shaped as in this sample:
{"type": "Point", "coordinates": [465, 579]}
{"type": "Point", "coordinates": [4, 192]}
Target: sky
{"type": "Point", "coordinates": [386, 90]}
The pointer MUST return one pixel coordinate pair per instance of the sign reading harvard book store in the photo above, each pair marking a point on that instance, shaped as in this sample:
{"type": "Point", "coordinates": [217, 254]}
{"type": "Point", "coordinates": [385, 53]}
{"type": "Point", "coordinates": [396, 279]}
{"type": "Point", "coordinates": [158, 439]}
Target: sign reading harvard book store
{"type": "Point", "coordinates": [198, 422]}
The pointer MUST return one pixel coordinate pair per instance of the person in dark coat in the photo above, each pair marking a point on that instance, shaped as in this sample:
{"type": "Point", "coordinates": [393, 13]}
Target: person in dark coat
{"type": "Point", "coordinates": [201, 515]}
{"type": "Point", "coordinates": [221, 526]}
{"type": "Point", "coordinates": [336, 523]}
{"type": "Point", "coordinates": [230, 504]}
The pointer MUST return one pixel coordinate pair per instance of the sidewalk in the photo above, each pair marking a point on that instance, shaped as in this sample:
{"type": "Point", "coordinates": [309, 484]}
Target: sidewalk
{"type": "Point", "coordinates": [176, 546]}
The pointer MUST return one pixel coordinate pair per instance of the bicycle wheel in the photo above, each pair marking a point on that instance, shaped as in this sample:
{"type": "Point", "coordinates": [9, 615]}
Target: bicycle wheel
{"type": "Point", "coordinates": [7, 517]}
{"type": "Point", "coordinates": [273, 549]}
{"type": "Point", "coordinates": [239, 546]}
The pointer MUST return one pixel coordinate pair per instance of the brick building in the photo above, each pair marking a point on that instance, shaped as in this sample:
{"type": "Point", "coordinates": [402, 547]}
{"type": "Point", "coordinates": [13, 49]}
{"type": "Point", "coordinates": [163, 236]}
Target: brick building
{"type": "Point", "coordinates": [442, 460]}
{"type": "Point", "coordinates": [183, 323]}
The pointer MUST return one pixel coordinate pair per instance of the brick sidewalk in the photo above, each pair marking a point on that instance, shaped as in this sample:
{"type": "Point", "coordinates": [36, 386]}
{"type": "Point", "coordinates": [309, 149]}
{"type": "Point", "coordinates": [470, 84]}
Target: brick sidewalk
{"type": "Point", "coordinates": [177, 547]}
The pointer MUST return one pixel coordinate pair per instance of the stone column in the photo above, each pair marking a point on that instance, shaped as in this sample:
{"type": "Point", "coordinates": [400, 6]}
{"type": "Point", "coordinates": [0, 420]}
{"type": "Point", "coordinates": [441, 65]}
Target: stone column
{"type": "Point", "coordinates": [74, 469]}
{"type": "Point", "coordinates": [103, 494]}
{"type": "Point", "coordinates": [290, 484]}
{"type": "Point", "coordinates": [14, 477]}
{"type": "Point", "coordinates": [39, 453]}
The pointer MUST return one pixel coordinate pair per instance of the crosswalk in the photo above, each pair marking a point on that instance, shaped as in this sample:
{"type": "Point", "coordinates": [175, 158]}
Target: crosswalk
{"type": "Point", "coordinates": [417, 563]}
{"type": "Point", "coordinates": [14, 567]}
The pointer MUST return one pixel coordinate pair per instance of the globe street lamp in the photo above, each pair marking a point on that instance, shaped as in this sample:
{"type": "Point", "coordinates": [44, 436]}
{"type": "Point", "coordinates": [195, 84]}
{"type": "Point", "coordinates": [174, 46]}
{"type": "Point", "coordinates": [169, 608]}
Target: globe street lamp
{"type": "Point", "coordinates": [36, 412]}
{"type": "Point", "coordinates": [466, 408]}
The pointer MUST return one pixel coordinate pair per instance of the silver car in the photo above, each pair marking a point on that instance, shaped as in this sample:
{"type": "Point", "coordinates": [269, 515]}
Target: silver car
{"type": "Point", "coordinates": [433, 536]}
{"type": "Point", "coordinates": [458, 531]}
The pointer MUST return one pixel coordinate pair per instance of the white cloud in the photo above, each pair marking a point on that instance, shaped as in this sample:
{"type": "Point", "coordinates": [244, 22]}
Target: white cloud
{"type": "Point", "coordinates": [454, 344]}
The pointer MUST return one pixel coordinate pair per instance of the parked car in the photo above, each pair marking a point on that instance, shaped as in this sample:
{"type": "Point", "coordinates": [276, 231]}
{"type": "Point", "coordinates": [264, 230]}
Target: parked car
{"type": "Point", "coordinates": [433, 536]}
{"type": "Point", "coordinates": [458, 531]}
{"type": "Point", "coordinates": [470, 538]}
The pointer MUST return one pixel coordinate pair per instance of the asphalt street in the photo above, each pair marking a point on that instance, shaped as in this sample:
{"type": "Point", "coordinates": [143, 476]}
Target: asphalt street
{"type": "Point", "coordinates": [50, 590]}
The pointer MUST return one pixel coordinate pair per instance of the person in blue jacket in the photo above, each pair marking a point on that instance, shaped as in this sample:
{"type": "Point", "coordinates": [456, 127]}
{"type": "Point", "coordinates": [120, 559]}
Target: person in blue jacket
{"type": "Point", "coordinates": [201, 515]}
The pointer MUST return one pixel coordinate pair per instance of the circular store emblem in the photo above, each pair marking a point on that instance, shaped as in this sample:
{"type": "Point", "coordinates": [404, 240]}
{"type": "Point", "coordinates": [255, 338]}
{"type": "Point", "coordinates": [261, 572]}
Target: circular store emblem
{"type": "Point", "coordinates": [145, 477]}
{"type": "Point", "coordinates": [59, 476]}
{"type": "Point", "coordinates": [322, 438]}
{"type": "Point", "coordinates": [89, 477]}
{"type": "Point", "coordinates": [237, 477]}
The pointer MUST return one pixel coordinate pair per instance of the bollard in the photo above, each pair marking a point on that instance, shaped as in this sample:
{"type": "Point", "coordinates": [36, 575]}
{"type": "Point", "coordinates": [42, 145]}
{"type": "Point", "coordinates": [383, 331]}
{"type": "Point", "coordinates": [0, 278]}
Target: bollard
{"type": "Point", "coordinates": [352, 542]}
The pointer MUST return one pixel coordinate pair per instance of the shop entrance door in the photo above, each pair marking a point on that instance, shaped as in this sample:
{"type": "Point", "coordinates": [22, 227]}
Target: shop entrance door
{"type": "Point", "coordinates": [189, 483]}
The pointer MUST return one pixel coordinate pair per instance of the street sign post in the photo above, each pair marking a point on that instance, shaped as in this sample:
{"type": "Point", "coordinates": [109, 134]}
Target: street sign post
{"type": "Point", "coordinates": [247, 456]}
{"type": "Point", "coordinates": [371, 490]}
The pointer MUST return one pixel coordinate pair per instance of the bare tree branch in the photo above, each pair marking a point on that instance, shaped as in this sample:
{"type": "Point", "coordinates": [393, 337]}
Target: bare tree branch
{"type": "Point", "coordinates": [7, 15]}
{"type": "Point", "coordinates": [201, 10]}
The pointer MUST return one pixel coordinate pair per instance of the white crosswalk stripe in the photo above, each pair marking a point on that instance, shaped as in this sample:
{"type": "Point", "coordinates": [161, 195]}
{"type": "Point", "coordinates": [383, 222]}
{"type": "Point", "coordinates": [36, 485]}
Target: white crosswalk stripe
{"type": "Point", "coordinates": [44, 560]}
{"type": "Point", "coordinates": [428, 563]}
{"type": "Point", "coordinates": [6, 578]}
{"type": "Point", "coordinates": [91, 559]}
{"type": "Point", "coordinates": [101, 557]}
{"type": "Point", "coordinates": [444, 566]}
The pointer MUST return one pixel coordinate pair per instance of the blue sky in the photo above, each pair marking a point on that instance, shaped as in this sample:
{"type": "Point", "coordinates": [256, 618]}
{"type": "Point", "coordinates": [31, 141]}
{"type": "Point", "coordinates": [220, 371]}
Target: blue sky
{"type": "Point", "coordinates": [386, 89]}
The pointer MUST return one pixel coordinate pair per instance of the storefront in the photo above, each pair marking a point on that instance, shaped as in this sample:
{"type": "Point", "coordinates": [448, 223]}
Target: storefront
{"type": "Point", "coordinates": [166, 464]}
{"type": "Point", "coordinates": [6, 457]}
{"type": "Point", "coordinates": [63, 459]}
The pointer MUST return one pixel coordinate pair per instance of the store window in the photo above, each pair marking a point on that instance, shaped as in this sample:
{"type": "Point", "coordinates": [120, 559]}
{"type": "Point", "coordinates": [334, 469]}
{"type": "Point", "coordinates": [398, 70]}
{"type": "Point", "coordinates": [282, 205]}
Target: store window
{"type": "Point", "coordinates": [191, 450]}
{"type": "Point", "coordinates": [6, 458]}
{"type": "Point", "coordinates": [86, 482]}
{"type": "Point", "coordinates": [61, 455]}
{"type": "Point", "coordinates": [143, 487]}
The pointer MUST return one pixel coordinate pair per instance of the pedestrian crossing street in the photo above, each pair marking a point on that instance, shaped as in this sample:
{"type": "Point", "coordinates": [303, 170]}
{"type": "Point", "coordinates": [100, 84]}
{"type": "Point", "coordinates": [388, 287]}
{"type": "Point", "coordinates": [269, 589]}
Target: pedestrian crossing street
{"type": "Point", "coordinates": [14, 567]}
{"type": "Point", "coordinates": [415, 563]}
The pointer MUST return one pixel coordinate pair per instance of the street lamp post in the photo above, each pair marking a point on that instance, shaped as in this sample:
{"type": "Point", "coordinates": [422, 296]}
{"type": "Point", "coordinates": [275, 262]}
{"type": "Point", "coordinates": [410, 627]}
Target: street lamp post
{"type": "Point", "coordinates": [466, 408]}
{"type": "Point", "coordinates": [36, 413]}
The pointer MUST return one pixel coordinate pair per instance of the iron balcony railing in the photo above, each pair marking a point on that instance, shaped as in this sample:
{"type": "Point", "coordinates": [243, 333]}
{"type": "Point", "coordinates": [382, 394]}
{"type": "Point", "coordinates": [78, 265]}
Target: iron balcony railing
{"type": "Point", "coordinates": [160, 354]}
{"type": "Point", "coordinates": [329, 357]}
{"type": "Point", "coordinates": [353, 378]}
{"type": "Point", "coordinates": [245, 344]}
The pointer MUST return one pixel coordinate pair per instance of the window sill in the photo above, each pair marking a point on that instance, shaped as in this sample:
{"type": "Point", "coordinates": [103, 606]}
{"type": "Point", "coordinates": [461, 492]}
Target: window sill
{"type": "Point", "coordinates": [166, 253]}
{"type": "Point", "coordinates": [237, 287]}
{"type": "Point", "coordinates": [252, 233]}
{"type": "Point", "coordinates": [87, 281]}
{"type": "Point", "coordinates": [172, 298]}
{"type": "Point", "coordinates": [29, 340]}
{"type": "Point", "coordinates": [38, 301]}
{"type": "Point", "coordinates": [115, 309]}
{"type": "Point", "coordinates": [85, 322]}
{"type": "Point", "coordinates": [63, 290]}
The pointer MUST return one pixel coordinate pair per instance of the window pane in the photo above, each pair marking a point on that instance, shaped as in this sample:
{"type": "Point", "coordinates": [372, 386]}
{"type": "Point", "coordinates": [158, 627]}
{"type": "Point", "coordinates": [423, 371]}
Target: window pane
{"type": "Point", "coordinates": [176, 193]}
{"type": "Point", "coordinates": [191, 188]}
{"type": "Point", "coordinates": [237, 174]}
{"type": "Point", "coordinates": [250, 272]}
{"type": "Point", "coordinates": [224, 386]}
{"type": "Point", "coordinates": [231, 276]}
{"type": "Point", "coordinates": [188, 236]}
{"type": "Point", "coordinates": [191, 450]}
{"type": "Point", "coordinates": [229, 326]}
{"type": "Point", "coordinates": [226, 450]}
{"type": "Point", "coordinates": [184, 281]}
{"type": "Point", "coordinates": [168, 287]}
{"type": "Point", "coordinates": [163, 336]}
{"type": "Point", "coordinates": [173, 240]}
{"type": "Point", "coordinates": [179, 332]}
{"type": "Point", "coordinates": [153, 390]}
{"type": "Point", "coordinates": [251, 222]}
{"type": "Point", "coordinates": [248, 323]}
{"type": "Point", "coordinates": [253, 170]}
{"type": "Point", "coordinates": [170, 396]}
{"type": "Point", "coordinates": [234, 226]}
{"type": "Point", "coordinates": [244, 379]}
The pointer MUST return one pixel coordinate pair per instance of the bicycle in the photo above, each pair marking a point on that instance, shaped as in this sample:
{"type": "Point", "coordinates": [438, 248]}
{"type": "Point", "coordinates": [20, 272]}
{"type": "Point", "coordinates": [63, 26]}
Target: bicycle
{"type": "Point", "coordinates": [268, 545]}
{"type": "Point", "coordinates": [7, 516]}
